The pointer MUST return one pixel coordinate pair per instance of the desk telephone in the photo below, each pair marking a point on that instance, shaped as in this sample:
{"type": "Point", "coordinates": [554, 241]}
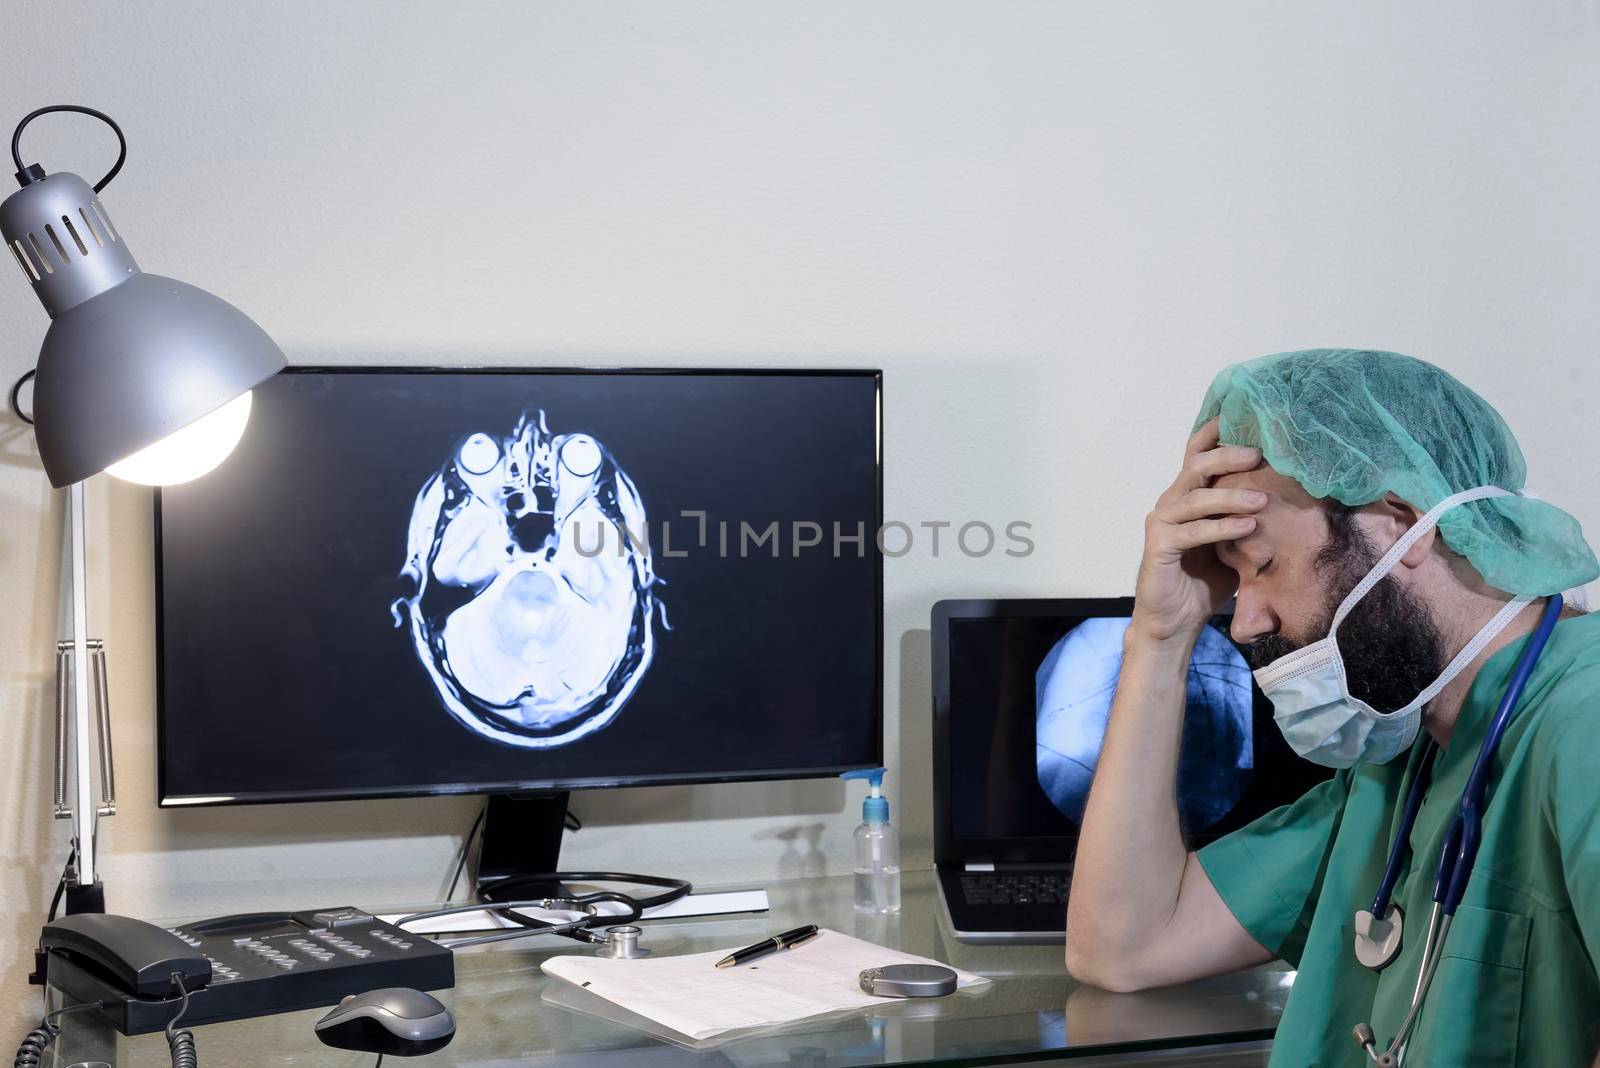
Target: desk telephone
{"type": "Point", "coordinates": [233, 967]}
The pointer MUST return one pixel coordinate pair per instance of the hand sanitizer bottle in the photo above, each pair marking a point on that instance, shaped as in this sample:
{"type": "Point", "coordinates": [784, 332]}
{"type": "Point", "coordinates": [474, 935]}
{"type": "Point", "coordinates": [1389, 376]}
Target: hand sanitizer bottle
{"type": "Point", "coordinates": [877, 850]}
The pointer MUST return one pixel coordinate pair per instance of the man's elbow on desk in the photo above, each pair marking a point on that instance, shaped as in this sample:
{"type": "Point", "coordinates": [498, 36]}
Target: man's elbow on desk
{"type": "Point", "coordinates": [1108, 969]}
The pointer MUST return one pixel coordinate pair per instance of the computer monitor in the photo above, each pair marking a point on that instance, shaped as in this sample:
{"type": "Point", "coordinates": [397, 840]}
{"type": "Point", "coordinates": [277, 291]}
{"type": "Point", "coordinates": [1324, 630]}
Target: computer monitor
{"type": "Point", "coordinates": [1023, 690]}
{"type": "Point", "coordinates": [410, 582]}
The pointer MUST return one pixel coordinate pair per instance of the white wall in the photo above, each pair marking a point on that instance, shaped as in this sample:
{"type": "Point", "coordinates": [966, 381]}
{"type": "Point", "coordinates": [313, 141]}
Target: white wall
{"type": "Point", "coordinates": [1050, 223]}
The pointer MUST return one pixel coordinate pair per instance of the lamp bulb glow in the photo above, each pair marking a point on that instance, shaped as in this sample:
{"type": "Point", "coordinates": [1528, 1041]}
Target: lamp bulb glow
{"type": "Point", "coordinates": [190, 451]}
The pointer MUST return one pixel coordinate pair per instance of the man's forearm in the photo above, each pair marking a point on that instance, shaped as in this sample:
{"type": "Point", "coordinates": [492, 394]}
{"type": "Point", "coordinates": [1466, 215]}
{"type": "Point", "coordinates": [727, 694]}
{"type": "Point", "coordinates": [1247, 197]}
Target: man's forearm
{"type": "Point", "coordinates": [1131, 854]}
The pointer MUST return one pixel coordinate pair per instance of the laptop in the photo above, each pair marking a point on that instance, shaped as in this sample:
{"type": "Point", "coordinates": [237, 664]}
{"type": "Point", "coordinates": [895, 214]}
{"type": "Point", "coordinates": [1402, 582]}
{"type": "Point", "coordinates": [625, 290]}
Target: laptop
{"type": "Point", "coordinates": [1022, 690]}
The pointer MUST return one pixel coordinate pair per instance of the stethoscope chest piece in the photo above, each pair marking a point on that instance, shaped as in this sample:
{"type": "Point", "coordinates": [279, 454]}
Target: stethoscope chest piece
{"type": "Point", "coordinates": [622, 943]}
{"type": "Point", "coordinates": [1378, 941]}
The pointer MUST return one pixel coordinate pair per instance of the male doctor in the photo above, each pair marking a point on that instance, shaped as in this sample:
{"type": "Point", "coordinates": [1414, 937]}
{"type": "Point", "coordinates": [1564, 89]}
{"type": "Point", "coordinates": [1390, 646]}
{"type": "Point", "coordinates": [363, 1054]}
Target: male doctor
{"type": "Point", "coordinates": [1304, 471]}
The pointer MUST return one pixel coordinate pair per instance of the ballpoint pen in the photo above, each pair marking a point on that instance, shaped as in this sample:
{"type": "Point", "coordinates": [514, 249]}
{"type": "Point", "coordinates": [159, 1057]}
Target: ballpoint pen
{"type": "Point", "coordinates": [787, 940]}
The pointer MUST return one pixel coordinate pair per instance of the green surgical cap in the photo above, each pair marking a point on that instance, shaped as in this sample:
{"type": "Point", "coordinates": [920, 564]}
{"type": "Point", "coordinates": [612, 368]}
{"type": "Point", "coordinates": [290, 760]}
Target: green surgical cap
{"type": "Point", "coordinates": [1353, 425]}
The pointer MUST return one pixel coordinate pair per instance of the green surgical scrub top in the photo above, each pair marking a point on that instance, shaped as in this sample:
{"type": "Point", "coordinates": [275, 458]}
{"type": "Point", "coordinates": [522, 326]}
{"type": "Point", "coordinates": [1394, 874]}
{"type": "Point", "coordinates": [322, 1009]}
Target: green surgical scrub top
{"type": "Point", "coordinates": [1517, 984]}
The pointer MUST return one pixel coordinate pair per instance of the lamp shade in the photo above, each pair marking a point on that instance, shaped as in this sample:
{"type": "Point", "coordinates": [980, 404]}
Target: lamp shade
{"type": "Point", "coordinates": [130, 357]}
{"type": "Point", "coordinates": [136, 363]}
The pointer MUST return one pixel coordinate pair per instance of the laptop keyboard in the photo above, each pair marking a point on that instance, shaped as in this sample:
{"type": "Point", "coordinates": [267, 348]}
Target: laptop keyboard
{"type": "Point", "coordinates": [1016, 888]}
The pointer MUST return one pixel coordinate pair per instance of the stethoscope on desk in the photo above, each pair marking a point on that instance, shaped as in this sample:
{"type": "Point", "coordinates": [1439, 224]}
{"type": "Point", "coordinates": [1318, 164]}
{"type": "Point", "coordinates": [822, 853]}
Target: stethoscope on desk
{"type": "Point", "coordinates": [579, 914]}
{"type": "Point", "coordinates": [1377, 941]}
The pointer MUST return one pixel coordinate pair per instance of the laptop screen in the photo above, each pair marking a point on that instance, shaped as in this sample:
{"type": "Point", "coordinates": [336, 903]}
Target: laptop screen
{"type": "Point", "coordinates": [1028, 693]}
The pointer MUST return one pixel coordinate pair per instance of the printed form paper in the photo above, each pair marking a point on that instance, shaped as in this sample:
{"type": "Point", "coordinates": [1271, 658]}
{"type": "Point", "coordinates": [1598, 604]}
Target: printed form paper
{"type": "Point", "coordinates": [692, 996]}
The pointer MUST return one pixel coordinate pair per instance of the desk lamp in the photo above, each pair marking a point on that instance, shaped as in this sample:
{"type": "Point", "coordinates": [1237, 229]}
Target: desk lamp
{"type": "Point", "coordinates": [140, 376]}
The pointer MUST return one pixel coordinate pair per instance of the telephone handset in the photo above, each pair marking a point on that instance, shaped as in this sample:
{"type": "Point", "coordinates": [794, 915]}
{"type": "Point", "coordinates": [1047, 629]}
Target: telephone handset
{"type": "Point", "coordinates": [127, 960]}
{"type": "Point", "coordinates": [138, 957]}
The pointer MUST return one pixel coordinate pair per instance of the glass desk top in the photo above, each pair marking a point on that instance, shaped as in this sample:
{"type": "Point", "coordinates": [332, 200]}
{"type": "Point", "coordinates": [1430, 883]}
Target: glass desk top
{"type": "Point", "coordinates": [509, 1013]}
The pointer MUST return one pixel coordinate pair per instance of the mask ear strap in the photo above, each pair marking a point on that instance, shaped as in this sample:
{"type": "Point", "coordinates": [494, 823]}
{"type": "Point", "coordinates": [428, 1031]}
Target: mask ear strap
{"type": "Point", "coordinates": [1469, 651]}
{"type": "Point", "coordinates": [1386, 562]}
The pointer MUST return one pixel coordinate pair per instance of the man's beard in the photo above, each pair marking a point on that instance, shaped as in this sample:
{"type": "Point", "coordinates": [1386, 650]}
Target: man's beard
{"type": "Point", "coordinates": [1391, 647]}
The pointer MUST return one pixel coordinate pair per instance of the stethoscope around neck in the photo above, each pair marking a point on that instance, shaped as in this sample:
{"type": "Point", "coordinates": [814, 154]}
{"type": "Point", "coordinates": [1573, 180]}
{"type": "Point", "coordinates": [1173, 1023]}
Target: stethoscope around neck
{"type": "Point", "coordinates": [1377, 940]}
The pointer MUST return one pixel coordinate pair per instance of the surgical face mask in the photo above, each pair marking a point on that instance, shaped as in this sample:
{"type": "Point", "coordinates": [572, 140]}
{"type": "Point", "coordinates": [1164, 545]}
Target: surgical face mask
{"type": "Point", "coordinates": [1311, 696]}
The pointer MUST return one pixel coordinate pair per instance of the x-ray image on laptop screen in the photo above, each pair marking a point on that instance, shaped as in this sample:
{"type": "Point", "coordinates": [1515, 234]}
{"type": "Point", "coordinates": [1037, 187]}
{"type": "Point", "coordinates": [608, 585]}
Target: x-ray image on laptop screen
{"type": "Point", "coordinates": [1030, 697]}
{"type": "Point", "coordinates": [451, 581]}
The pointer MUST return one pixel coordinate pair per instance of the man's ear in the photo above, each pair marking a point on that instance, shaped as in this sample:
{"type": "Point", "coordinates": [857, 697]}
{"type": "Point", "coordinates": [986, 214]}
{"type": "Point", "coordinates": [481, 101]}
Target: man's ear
{"type": "Point", "coordinates": [1404, 515]}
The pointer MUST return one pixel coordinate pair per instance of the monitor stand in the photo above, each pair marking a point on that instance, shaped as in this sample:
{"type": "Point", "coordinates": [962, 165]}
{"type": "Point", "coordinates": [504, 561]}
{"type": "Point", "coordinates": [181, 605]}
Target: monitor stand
{"type": "Point", "coordinates": [522, 836]}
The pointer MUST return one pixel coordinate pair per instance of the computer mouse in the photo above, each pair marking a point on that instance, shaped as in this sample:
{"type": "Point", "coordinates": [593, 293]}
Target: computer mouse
{"type": "Point", "coordinates": [395, 1020]}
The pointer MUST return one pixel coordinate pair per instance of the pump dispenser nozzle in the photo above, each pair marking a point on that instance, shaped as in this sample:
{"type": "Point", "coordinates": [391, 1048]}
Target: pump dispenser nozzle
{"type": "Point", "coordinates": [875, 809]}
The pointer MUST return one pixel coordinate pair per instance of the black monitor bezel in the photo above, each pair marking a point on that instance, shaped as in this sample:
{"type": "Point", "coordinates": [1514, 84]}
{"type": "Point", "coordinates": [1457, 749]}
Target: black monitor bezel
{"type": "Point", "coordinates": [948, 849]}
{"type": "Point", "coordinates": [165, 799]}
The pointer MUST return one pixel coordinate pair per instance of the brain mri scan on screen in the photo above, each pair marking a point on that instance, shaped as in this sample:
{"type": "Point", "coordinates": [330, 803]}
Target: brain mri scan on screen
{"type": "Point", "coordinates": [532, 597]}
{"type": "Point", "coordinates": [1075, 684]}
{"type": "Point", "coordinates": [507, 579]}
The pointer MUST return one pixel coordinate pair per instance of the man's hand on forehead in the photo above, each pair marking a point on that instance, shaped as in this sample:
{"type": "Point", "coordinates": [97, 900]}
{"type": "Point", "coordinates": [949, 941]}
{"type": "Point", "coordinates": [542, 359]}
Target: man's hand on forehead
{"type": "Point", "coordinates": [1212, 492]}
{"type": "Point", "coordinates": [1242, 467]}
{"type": "Point", "coordinates": [1181, 583]}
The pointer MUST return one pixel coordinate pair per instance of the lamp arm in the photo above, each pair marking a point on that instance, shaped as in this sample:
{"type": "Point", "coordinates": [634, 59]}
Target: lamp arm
{"type": "Point", "coordinates": [81, 721]}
